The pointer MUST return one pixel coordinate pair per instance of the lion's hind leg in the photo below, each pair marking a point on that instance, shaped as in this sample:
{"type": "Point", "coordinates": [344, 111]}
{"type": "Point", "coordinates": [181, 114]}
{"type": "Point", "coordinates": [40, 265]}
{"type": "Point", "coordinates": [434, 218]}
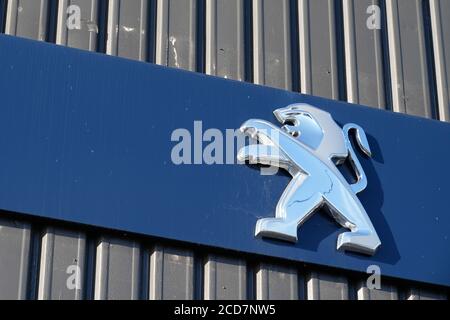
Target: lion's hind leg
{"type": "Point", "coordinates": [349, 213]}
{"type": "Point", "coordinates": [298, 202]}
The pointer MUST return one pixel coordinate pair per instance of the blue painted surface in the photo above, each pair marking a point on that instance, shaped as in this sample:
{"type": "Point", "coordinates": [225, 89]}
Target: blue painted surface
{"type": "Point", "coordinates": [86, 138]}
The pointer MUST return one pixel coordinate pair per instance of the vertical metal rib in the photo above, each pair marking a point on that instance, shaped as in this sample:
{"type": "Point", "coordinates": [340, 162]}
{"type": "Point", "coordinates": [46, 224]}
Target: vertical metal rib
{"type": "Point", "coordinates": [408, 58]}
{"type": "Point", "coordinates": [318, 54]}
{"type": "Point", "coordinates": [27, 18]}
{"type": "Point", "coordinates": [276, 283]}
{"type": "Point", "coordinates": [319, 76]}
{"type": "Point", "coordinates": [272, 65]}
{"type": "Point", "coordinates": [324, 286]}
{"type": "Point", "coordinates": [86, 36]}
{"type": "Point", "coordinates": [225, 279]}
{"type": "Point", "coordinates": [225, 55]}
{"type": "Point", "coordinates": [15, 238]}
{"type": "Point", "coordinates": [363, 55]}
{"type": "Point", "coordinates": [62, 266]}
{"type": "Point", "coordinates": [440, 23]}
{"type": "Point", "coordinates": [225, 47]}
{"type": "Point", "coordinates": [171, 274]}
{"type": "Point", "coordinates": [127, 29]}
{"type": "Point", "coordinates": [176, 34]}
{"type": "Point", "coordinates": [118, 266]}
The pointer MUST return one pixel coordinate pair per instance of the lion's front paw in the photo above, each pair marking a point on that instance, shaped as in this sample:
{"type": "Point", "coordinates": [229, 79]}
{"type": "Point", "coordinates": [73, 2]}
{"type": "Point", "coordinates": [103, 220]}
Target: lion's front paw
{"type": "Point", "coordinates": [261, 154]}
{"type": "Point", "coordinates": [277, 228]}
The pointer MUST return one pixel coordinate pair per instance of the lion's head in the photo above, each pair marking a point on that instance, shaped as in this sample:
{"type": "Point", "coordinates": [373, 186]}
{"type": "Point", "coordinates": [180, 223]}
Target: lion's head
{"type": "Point", "coordinates": [299, 121]}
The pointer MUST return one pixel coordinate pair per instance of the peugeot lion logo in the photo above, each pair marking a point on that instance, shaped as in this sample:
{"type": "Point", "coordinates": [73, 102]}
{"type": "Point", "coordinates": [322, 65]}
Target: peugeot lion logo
{"type": "Point", "coordinates": [309, 146]}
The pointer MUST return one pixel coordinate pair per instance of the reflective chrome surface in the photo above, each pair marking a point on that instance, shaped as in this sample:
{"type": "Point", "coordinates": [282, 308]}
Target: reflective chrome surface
{"type": "Point", "coordinates": [309, 146]}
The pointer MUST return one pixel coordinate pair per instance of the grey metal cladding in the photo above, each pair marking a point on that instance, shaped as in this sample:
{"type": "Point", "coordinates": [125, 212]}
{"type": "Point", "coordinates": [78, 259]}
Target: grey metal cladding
{"type": "Point", "coordinates": [176, 33]}
{"type": "Point", "coordinates": [318, 53]}
{"type": "Point", "coordinates": [386, 292]}
{"type": "Point", "coordinates": [410, 80]}
{"type": "Point", "coordinates": [426, 294]}
{"type": "Point", "coordinates": [363, 55]}
{"type": "Point", "coordinates": [171, 274]}
{"type": "Point", "coordinates": [225, 42]}
{"type": "Point", "coordinates": [272, 65]}
{"type": "Point", "coordinates": [62, 265]}
{"type": "Point", "coordinates": [15, 239]}
{"type": "Point", "coordinates": [275, 282]}
{"type": "Point", "coordinates": [118, 270]}
{"type": "Point", "coordinates": [440, 24]}
{"type": "Point", "coordinates": [225, 279]}
{"type": "Point", "coordinates": [127, 29]}
{"type": "Point", "coordinates": [27, 18]}
{"type": "Point", "coordinates": [86, 36]}
{"type": "Point", "coordinates": [325, 286]}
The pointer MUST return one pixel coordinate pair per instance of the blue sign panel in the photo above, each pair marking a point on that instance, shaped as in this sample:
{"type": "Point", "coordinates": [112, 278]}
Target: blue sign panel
{"type": "Point", "coordinates": [91, 139]}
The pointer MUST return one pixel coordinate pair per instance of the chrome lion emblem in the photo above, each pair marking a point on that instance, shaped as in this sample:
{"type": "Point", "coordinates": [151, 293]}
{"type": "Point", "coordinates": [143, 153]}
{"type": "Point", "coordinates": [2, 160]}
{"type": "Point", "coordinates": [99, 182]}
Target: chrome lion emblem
{"type": "Point", "coordinates": [309, 146]}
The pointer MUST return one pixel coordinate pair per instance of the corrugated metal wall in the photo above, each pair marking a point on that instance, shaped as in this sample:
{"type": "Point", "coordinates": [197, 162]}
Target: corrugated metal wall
{"type": "Point", "coordinates": [319, 47]}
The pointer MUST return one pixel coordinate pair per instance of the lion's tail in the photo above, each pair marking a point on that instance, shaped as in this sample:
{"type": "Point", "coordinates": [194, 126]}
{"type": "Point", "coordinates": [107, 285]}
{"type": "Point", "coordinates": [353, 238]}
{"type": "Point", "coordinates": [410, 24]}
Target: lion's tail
{"type": "Point", "coordinates": [363, 144]}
